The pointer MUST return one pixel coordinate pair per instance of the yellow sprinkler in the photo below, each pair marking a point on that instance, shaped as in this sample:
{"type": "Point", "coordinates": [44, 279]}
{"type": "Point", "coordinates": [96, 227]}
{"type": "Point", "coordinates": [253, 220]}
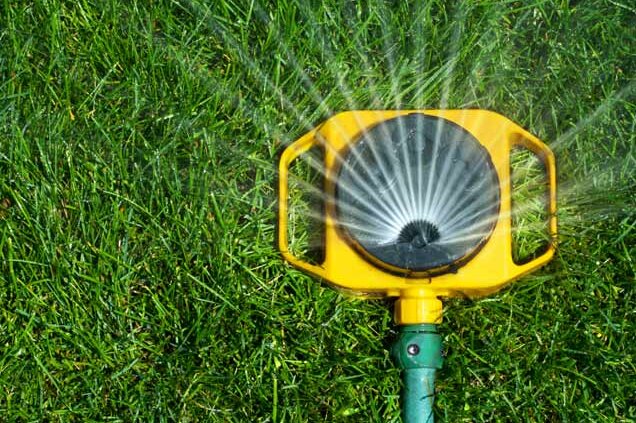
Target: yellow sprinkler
{"type": "Point", "coordinates": [418, 207]}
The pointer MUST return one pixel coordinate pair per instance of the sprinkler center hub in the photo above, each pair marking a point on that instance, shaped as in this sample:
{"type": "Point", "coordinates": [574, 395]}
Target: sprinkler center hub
{"type": "Point", "coordinates": [418, 233]}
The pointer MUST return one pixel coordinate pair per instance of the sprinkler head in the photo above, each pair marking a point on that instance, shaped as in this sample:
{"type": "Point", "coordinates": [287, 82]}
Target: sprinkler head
{"type": "Point", "coordinates": [417, 205]}
{"type": "Point", "coordinates": [417, 195]}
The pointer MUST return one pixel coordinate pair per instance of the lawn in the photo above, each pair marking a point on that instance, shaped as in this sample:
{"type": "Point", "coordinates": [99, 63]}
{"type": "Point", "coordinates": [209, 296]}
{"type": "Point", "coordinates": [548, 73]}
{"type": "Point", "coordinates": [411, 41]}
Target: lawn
{"type": "Point", "coordinates": [139, 279]}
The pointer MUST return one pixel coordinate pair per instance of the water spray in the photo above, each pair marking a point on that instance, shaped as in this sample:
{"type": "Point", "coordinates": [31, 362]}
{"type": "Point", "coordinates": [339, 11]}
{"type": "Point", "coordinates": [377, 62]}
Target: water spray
{"type": "Point", "coordinates": [418, 207]}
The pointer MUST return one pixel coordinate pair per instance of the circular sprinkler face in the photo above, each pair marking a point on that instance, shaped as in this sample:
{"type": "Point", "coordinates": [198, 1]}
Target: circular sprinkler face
{"type": "Point", "coordinates": [417, 194]}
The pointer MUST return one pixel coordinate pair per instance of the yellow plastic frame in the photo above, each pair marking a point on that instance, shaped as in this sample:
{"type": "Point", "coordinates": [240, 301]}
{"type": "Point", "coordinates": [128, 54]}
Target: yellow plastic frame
{"type": "Point", "coordinates": [488, 270]}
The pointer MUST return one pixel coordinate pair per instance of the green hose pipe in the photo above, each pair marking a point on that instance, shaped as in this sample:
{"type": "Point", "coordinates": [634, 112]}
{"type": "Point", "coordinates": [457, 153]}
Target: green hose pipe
{"type": "Point", "coordinates": [418, 352]}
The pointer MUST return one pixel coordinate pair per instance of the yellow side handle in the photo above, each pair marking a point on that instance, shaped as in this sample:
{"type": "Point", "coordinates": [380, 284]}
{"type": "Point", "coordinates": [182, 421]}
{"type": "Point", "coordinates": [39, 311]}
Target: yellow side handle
{"type": "Point", "coordinates": [289, 155]}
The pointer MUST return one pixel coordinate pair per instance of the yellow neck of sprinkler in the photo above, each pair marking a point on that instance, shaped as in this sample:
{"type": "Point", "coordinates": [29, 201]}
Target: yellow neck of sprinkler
{"type": "Point", "coordinates": [348, 265]}
{"type": "Point", "coordinates": [416, 306]}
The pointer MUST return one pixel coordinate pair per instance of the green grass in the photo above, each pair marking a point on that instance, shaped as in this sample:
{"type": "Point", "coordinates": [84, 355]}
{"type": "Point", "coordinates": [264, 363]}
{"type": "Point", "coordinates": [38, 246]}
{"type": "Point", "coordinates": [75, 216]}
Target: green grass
{"type": "Point", "coordinates": [139, 280]}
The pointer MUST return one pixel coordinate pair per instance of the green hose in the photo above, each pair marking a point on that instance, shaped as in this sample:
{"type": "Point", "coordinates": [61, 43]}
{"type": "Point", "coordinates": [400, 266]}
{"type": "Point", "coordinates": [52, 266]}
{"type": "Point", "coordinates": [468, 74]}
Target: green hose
{"type": "Point", "coordinates": [418, 352]}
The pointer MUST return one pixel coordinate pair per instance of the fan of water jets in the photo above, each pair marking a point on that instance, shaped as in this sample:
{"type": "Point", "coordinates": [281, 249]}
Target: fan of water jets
{"type": "Point", "coordinates": [417, 192]}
